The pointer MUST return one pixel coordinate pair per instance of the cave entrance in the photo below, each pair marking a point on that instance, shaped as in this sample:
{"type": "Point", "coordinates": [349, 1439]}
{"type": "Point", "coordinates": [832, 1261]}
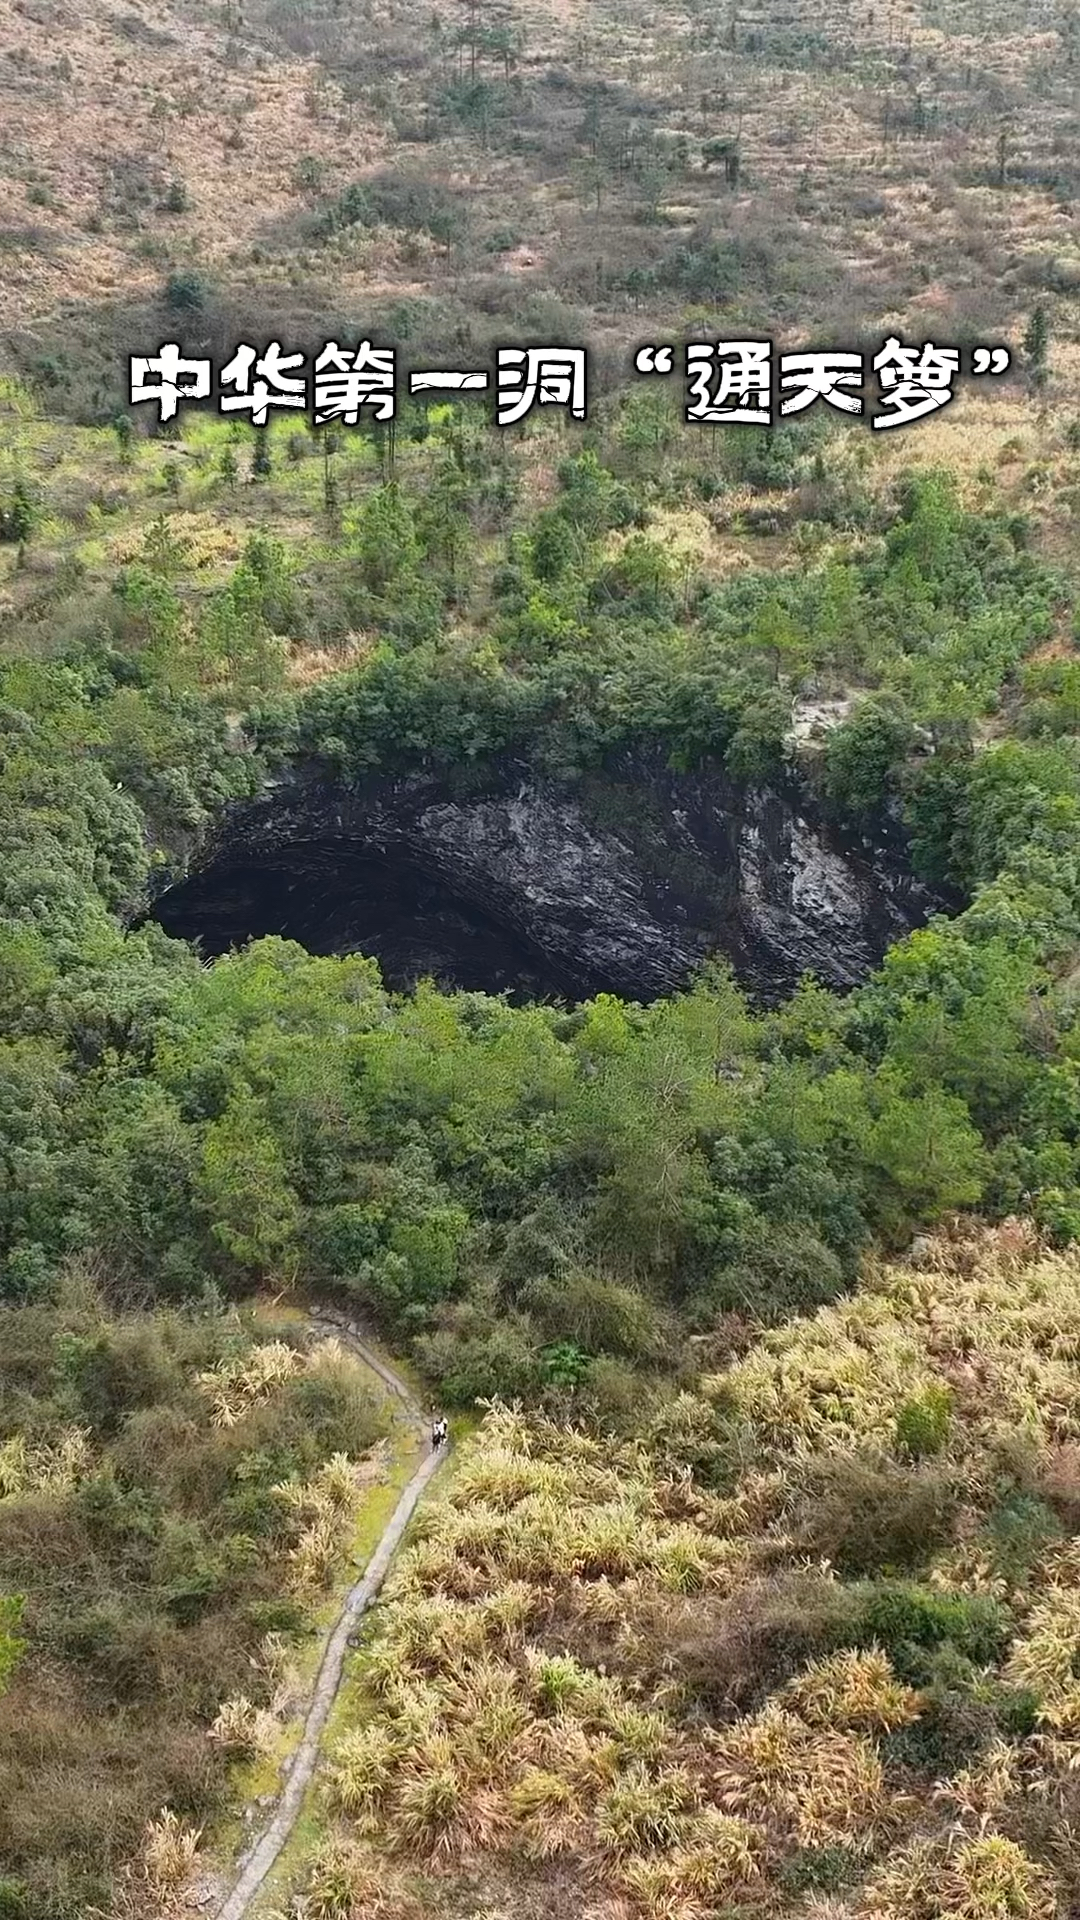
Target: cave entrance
{"type": "Point", "coordinates": [411, 922]}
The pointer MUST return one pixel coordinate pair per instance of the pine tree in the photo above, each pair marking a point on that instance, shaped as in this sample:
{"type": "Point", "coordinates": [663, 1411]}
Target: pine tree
{"type": "Point", "coordinates": [330, 485]}
{"type": "Point", "coordinates": [18, 517]}
{"type": "Point", "coordinates": [1037, 344]}
{"type": "Point", "coordinates": [124, 429]}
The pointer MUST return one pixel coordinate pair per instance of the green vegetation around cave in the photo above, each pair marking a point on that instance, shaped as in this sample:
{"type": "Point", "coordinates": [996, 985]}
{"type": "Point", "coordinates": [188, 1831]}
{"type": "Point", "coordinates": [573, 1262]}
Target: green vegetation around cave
{"type": "Point", "coordinates": [751, 1588]}
{"type": "Point", "coordinates": [540, 1196]}
{"type": "Point", "coordinates": [579, 1207]}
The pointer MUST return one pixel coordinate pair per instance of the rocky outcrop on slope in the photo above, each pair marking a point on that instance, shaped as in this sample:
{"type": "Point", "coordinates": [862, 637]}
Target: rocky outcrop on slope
{"type": "Point", "coordinates": [625, 881]}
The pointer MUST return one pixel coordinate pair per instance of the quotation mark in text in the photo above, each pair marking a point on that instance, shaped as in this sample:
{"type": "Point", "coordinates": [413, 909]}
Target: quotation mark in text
{"type": "Point", "coordinates": [654, 359]}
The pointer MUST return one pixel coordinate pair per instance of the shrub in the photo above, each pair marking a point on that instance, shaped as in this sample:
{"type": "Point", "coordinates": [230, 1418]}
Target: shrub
{"type": "Point", "coordinates": [819, 1870]}
{"type": "Point", "coordinates": [1021, 1527]}
{"type": "Point", "coordinates": [363, 1768]}
{"type": "Point", "coordinates": [718, 1855]}
{"type": "Point", "coordinates": [169, 1851]}
{"type": "Point", "coordinates": [425, 1808]}
{"type": "Point", "coordinates": [729, 1653]}
{"type": "Point", "coordinates": [472, 1361]}
{"type": "Point", "coordinates": [115, 1372]}
{"type": "Point", "coordinates": [19, 517]}
{"type": "Point", "coordinates": [779, 1269]}
{"type": "Point", "coordinates": [862, 755]}
{"type": "Point", "coordinates": [963, 1880]}
{"type": "Point", "coordinates": [244, 1729]}
{"type": "Point", "coordinates": [1059, 1484]}
{"type": "Point", "coordinates": [1016, 1710]}
{"type": "Point", "coordinates": [909, 1620]}
{"type": "Point", "coordinates": [963, 1708]}
{"type": "Point", "coordinates": [851, 1689]}
{"type": "Point", "coordinates": [924, 1422]}
{"type": "Point", "coordinates": [952, 1727]}
{"type": "Point", "coordinates": [639, 1813]}
{"type": "Point", "coordinates": [185, 292]}
{"type": "Point", "coordinates": [866, 1515]}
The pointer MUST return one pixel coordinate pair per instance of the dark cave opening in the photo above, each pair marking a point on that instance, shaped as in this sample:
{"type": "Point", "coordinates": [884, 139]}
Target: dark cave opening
{"type": "Point", "coordinates": [628, 882]}
{"type": "Point", "coordinates": [413, 923]}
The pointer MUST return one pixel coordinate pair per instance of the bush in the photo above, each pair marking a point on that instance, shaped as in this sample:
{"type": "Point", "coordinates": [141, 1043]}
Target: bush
{"type": "Point", "coordinates": [924, 1422]}
{"type": "Point", "coordinates": [19, 517]}
{"type": "Point", "coordinates": [323, 1412]}
{"type": "Point", "coordinates": [118, 1371]}
{"type": "Point", "coordinates": [185, 292]}
{"type": "Point", "coordinates": [1021, 1527]}
{"type": "Point", "coordinates": [472, 1361]}
{"type": "Point", "coordinates": [963, 1709]}
{"type": "Point", "coordinates": [819, 1870]}
{"type": "Point", "coordinates": [638, 1813]}
{"type": "Point", "coordinates": [777, 1270]}
{"type": "Point", "coordinates": [869, 1516]}
{"type": "Point", "coordinates": [908, 1621]}
{"type": "Point", "coordinates": [862, 756]}
{"type": "Point", "coordinates": [1060, 1485]}
{"type": "Point", "coordinates": [729, 1654]}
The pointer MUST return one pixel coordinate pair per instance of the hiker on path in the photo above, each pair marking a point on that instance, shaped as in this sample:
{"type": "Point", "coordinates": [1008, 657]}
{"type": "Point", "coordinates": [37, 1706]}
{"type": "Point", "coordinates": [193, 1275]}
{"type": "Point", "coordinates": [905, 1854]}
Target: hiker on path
{"type": "Point", "coordinates": [438, 1433]}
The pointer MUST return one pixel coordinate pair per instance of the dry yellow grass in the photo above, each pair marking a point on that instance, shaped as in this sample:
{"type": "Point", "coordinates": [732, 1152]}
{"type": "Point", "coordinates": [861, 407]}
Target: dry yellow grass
{"type": "Point", "coordinates": [901, 223]}
{"type": "Point", "coordinates": [509, 1731]}
{"type": "Point", "coordinates": [81, 111]}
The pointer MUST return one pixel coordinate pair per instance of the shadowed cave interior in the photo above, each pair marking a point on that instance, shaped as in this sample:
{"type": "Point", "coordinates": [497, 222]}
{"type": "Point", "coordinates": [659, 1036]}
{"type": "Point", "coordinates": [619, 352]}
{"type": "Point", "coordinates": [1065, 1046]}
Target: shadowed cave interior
{"type": "Point", "coordinates": [414, 924]}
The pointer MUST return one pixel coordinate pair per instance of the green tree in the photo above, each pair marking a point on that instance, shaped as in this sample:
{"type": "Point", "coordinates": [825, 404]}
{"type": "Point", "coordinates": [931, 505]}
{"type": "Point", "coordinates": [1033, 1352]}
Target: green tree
{"type": "Point", "coordinates": [382, 537]}
{"type": "Point", "coordinates": [124, 429]}
{"type": "Point", "coordinates": [1037, 344]}
{"type": "Point", "coordinates": [442, 524]}
{"type": "Point", "coordinates": [243, 1187]}
{"type": "Point", "coordinates": [776, 638]}
{"type": "Point", "coordinates": [19, 517]}
{"type": "Point", "coordinates": [552, 546]}
{"type": "Point", "coordinates": [926, 1156]}
{"type": "Point", "coordinates": [863, 757]}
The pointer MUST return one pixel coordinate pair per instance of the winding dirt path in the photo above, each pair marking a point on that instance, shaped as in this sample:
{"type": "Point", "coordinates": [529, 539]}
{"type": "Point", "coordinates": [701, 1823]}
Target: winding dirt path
{"type": "Point", "coordinates": [263, 1853]}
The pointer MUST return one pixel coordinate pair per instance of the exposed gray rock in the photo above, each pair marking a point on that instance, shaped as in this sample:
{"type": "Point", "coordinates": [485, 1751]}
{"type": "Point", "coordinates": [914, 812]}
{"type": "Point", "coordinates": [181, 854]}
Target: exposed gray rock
{"type": "Point", "coordinates": [625, 882]}
{"type": "Point", "coordinates": [813, 720]}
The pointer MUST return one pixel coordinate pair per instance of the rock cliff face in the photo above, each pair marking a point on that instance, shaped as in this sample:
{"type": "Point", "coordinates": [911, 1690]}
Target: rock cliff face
{"type": "Point", "coordinates": [624, 882]}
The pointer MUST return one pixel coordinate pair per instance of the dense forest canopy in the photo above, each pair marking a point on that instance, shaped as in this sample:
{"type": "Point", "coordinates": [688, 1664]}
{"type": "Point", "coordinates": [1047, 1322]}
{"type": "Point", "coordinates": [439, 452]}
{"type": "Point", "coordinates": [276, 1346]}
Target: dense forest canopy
{"type": "Point", "coordinates": [281, 1115]}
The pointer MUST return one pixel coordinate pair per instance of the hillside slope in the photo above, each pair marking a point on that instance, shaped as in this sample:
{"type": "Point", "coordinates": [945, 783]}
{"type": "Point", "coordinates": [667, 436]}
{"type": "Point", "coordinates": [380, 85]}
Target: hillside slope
{"type": "Point", "coordinates": [809, 1648]}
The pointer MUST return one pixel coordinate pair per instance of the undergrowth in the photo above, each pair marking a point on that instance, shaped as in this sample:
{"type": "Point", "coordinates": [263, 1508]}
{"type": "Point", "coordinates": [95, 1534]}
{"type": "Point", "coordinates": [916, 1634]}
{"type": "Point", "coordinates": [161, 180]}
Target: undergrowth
{"type": "Point", "coordinates": [176, 1491]}
{"type": "Point", "coordinates": [602, 1683]}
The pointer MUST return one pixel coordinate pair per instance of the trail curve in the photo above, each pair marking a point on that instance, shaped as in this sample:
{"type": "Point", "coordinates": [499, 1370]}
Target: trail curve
{"type": "Point", "coordinates": [263, 1854]}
